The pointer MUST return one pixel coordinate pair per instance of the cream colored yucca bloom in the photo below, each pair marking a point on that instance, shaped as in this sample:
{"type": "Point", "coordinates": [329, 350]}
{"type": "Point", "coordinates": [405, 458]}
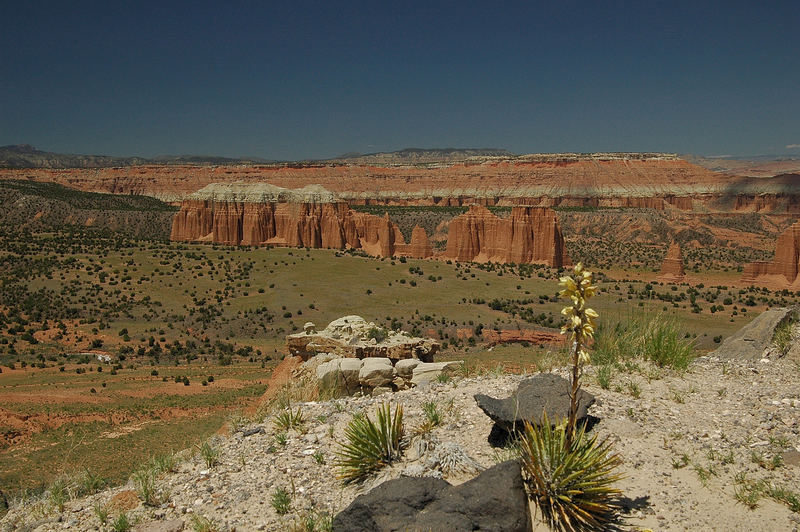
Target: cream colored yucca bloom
{"type": "Point", "coordinates": [580, 325]}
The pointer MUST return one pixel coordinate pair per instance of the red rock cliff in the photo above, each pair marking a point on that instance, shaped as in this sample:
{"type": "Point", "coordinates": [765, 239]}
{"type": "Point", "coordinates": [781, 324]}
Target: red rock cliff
{"type": "Point", "coordinates": [782, 271]}
{"type": "Point", "coordinates": [529, 235]}
{"type": "Point", "coordinates": [315, 225]}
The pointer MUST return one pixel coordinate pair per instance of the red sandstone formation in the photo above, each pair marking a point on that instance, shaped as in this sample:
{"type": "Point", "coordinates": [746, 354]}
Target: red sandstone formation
{"type": "Point", "coordinates": [494, 337]}
{"type": "Point", "coordinates": [529, 235]}
{"type": "Point", "coordinates": [315, 225]}
{"type": "Point", "coordinates": [672, 266]}
{"type": "Point", "coordinates": [782, 272]}
{"type": "Point", "coordinates": [420, 246]}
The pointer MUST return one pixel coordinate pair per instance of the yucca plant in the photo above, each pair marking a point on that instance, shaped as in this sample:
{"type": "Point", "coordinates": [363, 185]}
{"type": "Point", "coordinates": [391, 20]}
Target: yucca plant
{"type": "Point", "coordinates": [289, 419]}
{"type": "Point", "coordinates": [371, 445]}
{"type": "Point", "coordinates": [569, 482]}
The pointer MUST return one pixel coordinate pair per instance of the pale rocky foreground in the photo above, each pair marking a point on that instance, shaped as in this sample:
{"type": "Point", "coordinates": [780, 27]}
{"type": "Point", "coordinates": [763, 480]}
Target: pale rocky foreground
{"type": "Point", "coordinates": [716, 415]}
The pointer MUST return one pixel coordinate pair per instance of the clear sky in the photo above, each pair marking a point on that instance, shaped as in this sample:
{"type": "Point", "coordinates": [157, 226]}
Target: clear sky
{"type": "Point", "coordinates": [296, 79]}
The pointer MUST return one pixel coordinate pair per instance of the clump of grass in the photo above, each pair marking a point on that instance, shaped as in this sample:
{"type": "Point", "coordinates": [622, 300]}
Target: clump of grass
{"type": "Point", "coordinates": [371, 445]}
{"type": "Point", "coordinates": [101, 511]}
{"type": "Point", "coordinates": [658, 339]}
{"type": "Point", "coordinates": [59, 493]}
{"type": "Point", "coordinates": [281, 501]}
{"type": "Point", "coordinates": [209, 453]}
{"type": "Point", "coordinates": [121, 523]}
{"type": "Point", "coordinates": [570, 483]}
{"type": "Point", "coordinates": [432, 413]}
{"type": "Point", "coordinates": [604, 375]}
{"type": "Point", "coordinates": [312, 521]}
{"type": "Point", "coordinates": [769, 464]}
{"type": "Point", "coordinates": [510, 451]}
{"type": "Point", "coordinates": [90, 482]}
{"type": "Point", "coordinates": [289, 419]}
{"type": "Point", "coordinates": [664, 344]}
{"type": "Point", "coordinates": [203, 524]}
{"type": "Point", "coordinates": [147, 487]}
{"type": "Point", "coordinates": [782, 337]}
{"type": "Point", "coordinates": [164, 463]}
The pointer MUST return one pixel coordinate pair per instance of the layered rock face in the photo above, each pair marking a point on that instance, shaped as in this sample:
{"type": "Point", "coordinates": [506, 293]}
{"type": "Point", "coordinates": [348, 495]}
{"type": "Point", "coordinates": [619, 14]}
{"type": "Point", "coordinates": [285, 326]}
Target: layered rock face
{"type": "Point", "coordinates": [654, 181]}
{"type": "Point", "coordinates": [315, 225]}
{"type": "Point", "coordinates": [529, 235]}
{"type": "Point", "coordinates": [782, 271]}
{"type": "Point", "coordinates": [672, 266]}
{"type": "Point", "coordinates": [254, 215]}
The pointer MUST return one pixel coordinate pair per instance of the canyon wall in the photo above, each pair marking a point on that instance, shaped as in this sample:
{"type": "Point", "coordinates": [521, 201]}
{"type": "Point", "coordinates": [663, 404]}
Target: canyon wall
{"type": "Point", "coordinates": [782, 271]}
{"type": "Point", "coordinates": [260, 215]}
{"type": "Point", "coordinates": [654, 181]}
{"type": "Point", "coordinates": [314, 225]}
{"type": "Point", "coordinates": [529, 235]}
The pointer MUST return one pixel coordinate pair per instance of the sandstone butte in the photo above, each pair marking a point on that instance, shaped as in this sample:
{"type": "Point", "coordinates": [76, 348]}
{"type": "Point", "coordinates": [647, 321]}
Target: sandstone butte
{"type": "Point", "coordinates": [529, 235]}
{"type": "Point", "coordinates": [658, 181]}
{"type": "Point", "coordinates": [314, 225]}
{"type": "Point", "coordinates": [672, 266]}
{"type": "Point", "coordinates": [257, 215]}
{"type": "Point", "coordinates": [782, 271]}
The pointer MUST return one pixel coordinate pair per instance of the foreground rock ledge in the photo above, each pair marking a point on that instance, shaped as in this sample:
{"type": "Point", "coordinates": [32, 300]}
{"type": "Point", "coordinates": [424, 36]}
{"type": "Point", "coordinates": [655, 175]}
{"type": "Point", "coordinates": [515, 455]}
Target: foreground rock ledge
{"type": "Point", "coordinates": [494, 500]}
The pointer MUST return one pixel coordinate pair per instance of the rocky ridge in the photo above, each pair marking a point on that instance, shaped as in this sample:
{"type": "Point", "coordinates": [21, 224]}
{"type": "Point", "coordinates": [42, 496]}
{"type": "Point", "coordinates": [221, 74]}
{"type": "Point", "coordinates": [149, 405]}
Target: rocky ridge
{"type": "Point", "coordinates": [608, 180]}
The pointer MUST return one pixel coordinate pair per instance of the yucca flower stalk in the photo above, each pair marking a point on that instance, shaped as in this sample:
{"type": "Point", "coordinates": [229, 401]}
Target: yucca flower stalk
{"type": "Point", "coordinates": [580, 327]}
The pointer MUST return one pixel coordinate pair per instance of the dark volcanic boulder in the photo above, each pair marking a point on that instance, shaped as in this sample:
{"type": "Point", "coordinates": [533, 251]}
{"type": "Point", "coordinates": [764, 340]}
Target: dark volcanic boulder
{"type": "Point", "coordinates": [494, 500]}
{"type": "Point", "coordinates": [545, 392]}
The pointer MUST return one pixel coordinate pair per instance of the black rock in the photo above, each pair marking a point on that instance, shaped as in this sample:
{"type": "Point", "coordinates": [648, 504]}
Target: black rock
{"type": "Point", "coordinates": [250, 432]}
{"type": "Point", "coordinates": [545, 392]}
{"type": "Point", "coordinates": [494, 500]}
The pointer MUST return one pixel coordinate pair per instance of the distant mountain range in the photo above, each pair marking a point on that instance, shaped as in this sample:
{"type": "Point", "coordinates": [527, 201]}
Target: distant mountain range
{"type": "Point", "coordinates": [26, 156]}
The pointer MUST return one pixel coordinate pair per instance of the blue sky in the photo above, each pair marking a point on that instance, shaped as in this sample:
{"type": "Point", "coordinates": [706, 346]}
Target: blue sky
{"type": "Point", "coordinates": [316, 79]}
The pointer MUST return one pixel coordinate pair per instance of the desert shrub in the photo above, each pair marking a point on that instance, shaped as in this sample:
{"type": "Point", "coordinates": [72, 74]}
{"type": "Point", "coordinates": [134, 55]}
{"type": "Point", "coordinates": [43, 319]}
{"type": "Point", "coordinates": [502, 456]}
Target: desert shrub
{"type": "Point", "coordinates": [378, 333]}
{"type": "Point", "coordinates": [371, 445]}
{"type": "Point", "coordinates": [570, 483]}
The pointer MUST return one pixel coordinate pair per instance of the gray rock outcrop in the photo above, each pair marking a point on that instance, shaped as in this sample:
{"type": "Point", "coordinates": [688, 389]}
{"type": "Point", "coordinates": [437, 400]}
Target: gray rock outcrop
{"type": "Point", "coordinates": [749, 342]}
{"type": "Point", "coordinates": [545, 392]}
{"type": "Point", "coordinates": [494, 500]}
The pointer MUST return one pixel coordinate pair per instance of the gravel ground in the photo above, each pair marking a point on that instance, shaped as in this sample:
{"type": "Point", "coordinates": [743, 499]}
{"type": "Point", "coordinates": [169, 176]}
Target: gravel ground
{"type": "Point", "coordinates": [689, 442]}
